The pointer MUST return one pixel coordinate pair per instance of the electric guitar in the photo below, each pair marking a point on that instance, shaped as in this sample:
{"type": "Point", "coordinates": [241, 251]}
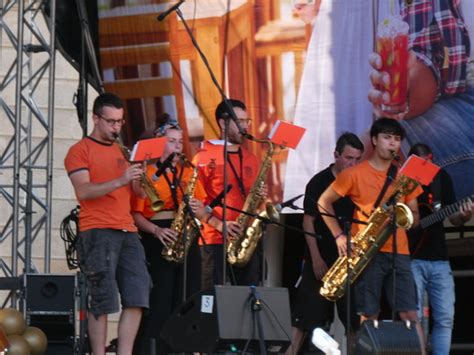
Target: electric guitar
{"type": "Point", "coordinates": [428, 218]}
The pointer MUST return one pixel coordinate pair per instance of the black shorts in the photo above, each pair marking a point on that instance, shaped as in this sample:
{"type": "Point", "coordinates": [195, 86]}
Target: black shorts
{"type": "Point", "coordinates": [310, 310]}
{"type": "Point", "coordinates": [377, 276]}
{"type": "Point", "coordinates": [113, 261]}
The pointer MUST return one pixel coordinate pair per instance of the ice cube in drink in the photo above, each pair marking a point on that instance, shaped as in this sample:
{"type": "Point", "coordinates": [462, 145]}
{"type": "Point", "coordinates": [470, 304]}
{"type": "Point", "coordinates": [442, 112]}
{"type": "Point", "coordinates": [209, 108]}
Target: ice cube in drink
{"type": "Point", "coordinates": [392, 46]}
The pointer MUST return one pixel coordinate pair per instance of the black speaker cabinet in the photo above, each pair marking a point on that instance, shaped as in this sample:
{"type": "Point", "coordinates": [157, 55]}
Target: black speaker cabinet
{"type": "Point", "coordinates": [49, 303]}
{"type": "Point", "coordinates": [222, 319]}
{"type": "Point", "coordinates": [387, 337]}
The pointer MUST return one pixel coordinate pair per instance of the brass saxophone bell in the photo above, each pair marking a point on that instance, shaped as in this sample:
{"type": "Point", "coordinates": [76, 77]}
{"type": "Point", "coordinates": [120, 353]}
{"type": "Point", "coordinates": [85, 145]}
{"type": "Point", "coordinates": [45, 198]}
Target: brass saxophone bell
{"type": "Point", "coordinates": [157, 205]}
{"type": "Point", "coordinates": [403, 216]}
{"type": "Point", "coordinates": [272, 212]}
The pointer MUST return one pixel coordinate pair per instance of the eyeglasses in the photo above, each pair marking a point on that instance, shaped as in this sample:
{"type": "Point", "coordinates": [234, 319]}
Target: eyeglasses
{"type": "Point", "coordinates": [111, 122]}
{"type": "Point", "coordinates": [246, 121]}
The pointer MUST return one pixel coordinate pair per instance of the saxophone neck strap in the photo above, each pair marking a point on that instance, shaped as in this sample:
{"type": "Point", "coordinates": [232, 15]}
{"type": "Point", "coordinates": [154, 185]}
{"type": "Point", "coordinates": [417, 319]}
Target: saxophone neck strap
{"type": "Point", "coordinates": [391, 174]}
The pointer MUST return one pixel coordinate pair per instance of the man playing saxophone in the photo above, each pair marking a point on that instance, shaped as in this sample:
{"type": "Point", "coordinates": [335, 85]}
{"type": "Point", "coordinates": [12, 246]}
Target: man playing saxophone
{"type": "Point", "coordinates": [242, 170]}
{"type": "Point", "coordinates": [109, 250]}
{"type": "Point", "coordinates": [363, 183]}
{"type": "Point", "coordinates": [310, 310]}
{"type": "Point", "coordinates": [174, 180]}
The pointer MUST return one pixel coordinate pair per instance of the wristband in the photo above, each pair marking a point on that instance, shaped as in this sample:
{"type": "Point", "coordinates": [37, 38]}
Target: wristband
{"type": "Point", "coordinates": [337, 236]}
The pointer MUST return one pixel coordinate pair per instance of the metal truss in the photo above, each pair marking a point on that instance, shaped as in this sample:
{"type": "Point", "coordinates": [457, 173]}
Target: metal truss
{"type": "Point", "coordinates": [27, 74]}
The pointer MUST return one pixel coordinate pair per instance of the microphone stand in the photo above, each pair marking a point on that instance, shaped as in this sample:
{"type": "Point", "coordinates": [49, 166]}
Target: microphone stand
{"type": "Point", "coordinates": [393, 225]}
{"type": "Point", "coordinates": [187, 212]}
{"type": "Point", "coordinates": [267, 221]}
{"type": "Point", "coordinates": [233, 117]}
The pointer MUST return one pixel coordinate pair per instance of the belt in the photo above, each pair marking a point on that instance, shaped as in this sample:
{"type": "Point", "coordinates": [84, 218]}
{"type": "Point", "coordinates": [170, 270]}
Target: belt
{"type": "Point", "coordinates": [163, 215]}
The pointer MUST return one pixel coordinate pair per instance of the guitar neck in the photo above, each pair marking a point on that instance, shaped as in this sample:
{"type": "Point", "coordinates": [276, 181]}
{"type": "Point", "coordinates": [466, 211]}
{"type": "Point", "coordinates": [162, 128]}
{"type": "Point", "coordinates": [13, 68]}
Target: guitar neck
{"type": "Point", "coordinates": [440, 215]}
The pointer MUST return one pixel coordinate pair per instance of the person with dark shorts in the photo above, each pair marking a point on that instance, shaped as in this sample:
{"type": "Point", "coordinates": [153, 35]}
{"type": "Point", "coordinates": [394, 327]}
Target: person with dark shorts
{"type": "Point", "coordinates": [310, 310]}
{"type": "Point", "coordinates": [109, 250]}
{"type": "Point", "coordinates": [364, 183]}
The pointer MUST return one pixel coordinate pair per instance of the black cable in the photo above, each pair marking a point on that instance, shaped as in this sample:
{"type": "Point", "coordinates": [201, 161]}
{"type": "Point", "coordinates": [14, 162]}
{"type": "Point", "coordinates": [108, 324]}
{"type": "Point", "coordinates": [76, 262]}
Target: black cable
{"type": "Point", "coordinates": [69, 231]}
{"type": "Point", "coordinates": [252, 334]}
{"type": "Point", "coordinates": [267, 307]}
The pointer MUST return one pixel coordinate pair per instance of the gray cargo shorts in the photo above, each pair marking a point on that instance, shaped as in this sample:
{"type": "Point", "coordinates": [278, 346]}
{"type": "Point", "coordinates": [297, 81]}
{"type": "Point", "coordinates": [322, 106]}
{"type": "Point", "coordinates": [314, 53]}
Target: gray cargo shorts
{"type": "Point", "coordinates": [113, 262]}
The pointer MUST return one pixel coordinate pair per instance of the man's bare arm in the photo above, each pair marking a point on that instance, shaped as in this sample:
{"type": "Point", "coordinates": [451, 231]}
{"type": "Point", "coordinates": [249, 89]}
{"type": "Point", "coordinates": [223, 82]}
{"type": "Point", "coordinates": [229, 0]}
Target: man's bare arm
{"type": "Point", "coordinates": [86, 190]}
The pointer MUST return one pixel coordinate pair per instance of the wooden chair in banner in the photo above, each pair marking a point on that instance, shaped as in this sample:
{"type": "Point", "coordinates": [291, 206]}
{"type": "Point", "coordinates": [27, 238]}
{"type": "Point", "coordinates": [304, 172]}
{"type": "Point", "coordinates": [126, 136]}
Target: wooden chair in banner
{"type": "Point", "coordinates": [222, 28]}
{"type": "Point", "coordinates": [132, 47]}
{"type": "Point", "coordinates": [147, 41]}
{"type": "Point", "coordinates": [275, 37]}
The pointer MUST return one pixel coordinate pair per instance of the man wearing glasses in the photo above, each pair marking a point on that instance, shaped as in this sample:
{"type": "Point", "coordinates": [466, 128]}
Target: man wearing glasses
{"type": "Point", "coordinates": [242, 170]}
{"type": "Point", "coordinates": [109, 251]}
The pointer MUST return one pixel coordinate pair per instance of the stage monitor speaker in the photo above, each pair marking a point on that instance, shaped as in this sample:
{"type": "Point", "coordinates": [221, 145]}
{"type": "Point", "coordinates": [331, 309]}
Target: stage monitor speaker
{"type": "Point", "coordinates": [49, 303]}
{"type": "Point", "coordinates": [222, 319]}
{"type": "Point", "coordinates": [388, 338]}
{"type": "Point", "coordinates": [49, 293]}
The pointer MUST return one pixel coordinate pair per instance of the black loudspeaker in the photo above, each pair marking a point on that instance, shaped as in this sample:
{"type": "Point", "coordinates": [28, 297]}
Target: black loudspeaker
{"type": "Point", "coordinates": [387, 337]}
{"type": "Point", "coordinates": [49, 303]}
{"type": "Point", "coordinates": [222, 319]}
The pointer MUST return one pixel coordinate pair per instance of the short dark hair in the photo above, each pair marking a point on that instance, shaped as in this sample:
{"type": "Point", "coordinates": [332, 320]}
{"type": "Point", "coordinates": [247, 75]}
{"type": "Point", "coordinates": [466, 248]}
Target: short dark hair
{"type": "Point", "coordinates": [350, 139]}
{"type": "Point", "coordinates": [387, 126]}
{"type": "Point", "coordinates": [222, 110]}
{"type": "Point", "coordinates": [106, 99]}
{"type": "Point", "coordinates": [420, 149]}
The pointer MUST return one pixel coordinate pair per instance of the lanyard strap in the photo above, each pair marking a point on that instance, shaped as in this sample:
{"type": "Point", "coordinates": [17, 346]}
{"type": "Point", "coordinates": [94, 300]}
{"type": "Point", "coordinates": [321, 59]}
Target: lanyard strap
{"type": "Point", "coordinates": [173, 185]}
{"type": "Point", "coordinates": [234, 171]}
{"type": "Point", "coordinates": [391, 174]}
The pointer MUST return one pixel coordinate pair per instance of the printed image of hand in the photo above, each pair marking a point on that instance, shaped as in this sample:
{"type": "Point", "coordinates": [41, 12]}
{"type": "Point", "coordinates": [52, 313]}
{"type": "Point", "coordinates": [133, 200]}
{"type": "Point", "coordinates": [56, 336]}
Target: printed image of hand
{"type": "Point", "coordinates": [306, 10]}
{"type": "Point", "coordinates": [380, 80]}
{"type": "Point", "coordinates": [165, 235]}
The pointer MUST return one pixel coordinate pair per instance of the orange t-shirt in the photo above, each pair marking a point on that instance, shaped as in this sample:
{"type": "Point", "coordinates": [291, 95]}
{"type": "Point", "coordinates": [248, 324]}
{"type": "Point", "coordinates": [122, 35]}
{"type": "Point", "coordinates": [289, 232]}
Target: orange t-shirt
{"type": "Point", "coordinates": [210, 163]}
{"type": "Point", "coordinates": [142, 205]}
{"type": "Point", "coordinates": [104, 162]}
{"type": "Point", "coordinates": [363, 183]}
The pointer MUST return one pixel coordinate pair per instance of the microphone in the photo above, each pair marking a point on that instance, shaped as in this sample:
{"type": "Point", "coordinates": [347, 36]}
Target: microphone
{"type": "Point", "coordinates": [163, 15]}
{"type": "Point", "coordinates": [163, 166]}
{"type": "Point", "coordinates": [218, 200]}
{"type": "Point", "coordinates": [289, 203]}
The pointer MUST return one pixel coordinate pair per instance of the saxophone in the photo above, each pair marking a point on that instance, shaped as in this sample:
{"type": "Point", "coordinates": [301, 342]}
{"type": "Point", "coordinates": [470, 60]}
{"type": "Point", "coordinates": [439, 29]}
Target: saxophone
{"type": "Point", "coordinates": [145, 182]}
{"type": "Point", "coordinates": [176, 250]}
{"type": "Point", "coordinates": [368, 241]}
{"type": "Point", "coordinates": [240, 251]}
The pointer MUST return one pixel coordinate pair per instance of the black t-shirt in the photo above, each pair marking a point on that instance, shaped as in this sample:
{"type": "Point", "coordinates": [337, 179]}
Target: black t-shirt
{"type": "Point", "coordinates": [343, 207]}
{"type": "Point", "coordinates": [431, 244]}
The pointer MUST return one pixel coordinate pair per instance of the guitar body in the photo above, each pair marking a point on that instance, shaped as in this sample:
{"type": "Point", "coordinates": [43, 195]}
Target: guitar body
{"type": "Point", "coordinates": [417, 236]}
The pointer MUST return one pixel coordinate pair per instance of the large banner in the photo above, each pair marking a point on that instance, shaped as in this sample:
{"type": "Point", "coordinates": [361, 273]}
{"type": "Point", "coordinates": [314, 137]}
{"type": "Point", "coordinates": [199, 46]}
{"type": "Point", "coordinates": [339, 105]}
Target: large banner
{"type": "Point", "coordinates": [303, 62]}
